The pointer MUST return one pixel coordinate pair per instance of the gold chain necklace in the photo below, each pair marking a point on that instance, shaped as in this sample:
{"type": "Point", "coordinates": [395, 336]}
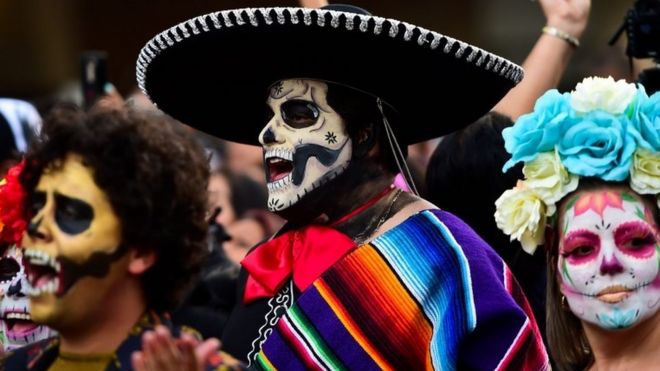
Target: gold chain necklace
{"type": "Point", "coordinates": [373, 227]}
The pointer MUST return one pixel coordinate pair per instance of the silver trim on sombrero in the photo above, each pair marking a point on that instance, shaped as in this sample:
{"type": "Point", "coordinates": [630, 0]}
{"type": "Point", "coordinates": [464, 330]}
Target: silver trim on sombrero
{"type": "Point", "coordinates": [247, 17]}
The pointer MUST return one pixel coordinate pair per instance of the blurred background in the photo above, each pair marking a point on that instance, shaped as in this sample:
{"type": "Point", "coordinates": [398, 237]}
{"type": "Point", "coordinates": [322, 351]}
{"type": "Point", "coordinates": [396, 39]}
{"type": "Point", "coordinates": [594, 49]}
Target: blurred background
{"type": "Point", "coordinates": [41, 40]}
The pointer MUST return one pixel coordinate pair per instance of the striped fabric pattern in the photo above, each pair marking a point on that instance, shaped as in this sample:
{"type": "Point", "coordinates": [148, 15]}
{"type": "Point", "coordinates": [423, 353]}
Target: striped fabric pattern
{"type": "Point", "coordinates": [426, 295]}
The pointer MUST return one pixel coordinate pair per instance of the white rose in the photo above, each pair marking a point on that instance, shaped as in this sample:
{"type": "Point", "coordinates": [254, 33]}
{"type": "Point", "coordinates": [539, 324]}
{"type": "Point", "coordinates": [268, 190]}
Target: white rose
{"type": "Point", "coordinates": [604, 94]}
{"type": "Point", "coordinates": [520, 213]}
{"type": "Point", "coordinates": [549, 179]}
{"type": "Point", "coordinates": [645, 172]}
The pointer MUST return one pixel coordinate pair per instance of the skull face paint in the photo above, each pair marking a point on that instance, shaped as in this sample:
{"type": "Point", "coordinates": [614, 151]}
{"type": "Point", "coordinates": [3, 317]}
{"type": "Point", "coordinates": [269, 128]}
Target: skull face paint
{"type": "Point", "coordinates": [72, 245]}
{"type": "Point", "coordinates": [305, 142]}
{"type": "Point", "coordinates": [15, 321]}
{"type": "Point", "coordinates": [609, 258]}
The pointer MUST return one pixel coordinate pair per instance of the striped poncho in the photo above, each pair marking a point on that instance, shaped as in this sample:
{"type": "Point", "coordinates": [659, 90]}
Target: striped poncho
{"type": "Point", "coordinates": [427, 294]}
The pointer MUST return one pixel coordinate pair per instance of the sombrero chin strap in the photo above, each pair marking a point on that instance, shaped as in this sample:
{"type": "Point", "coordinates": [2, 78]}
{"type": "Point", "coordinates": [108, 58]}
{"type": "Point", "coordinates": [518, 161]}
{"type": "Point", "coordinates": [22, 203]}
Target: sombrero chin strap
{"type": "Point", "coordinates": [396, 150]}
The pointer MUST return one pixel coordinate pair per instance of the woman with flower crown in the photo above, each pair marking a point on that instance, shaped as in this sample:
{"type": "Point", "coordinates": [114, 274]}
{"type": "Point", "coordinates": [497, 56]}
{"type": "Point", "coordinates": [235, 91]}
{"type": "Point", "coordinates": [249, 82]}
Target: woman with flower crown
{"type": "Point", "coordinates": [590, 196]}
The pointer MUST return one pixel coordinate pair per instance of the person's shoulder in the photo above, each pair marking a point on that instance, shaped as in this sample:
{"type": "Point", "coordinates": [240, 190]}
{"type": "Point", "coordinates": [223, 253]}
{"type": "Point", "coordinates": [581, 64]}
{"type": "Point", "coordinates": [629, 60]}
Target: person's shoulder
{"type": "Point", "coordinates": [460, 231]}
{"type": "Point", "coordinates": [413, 205]}
{"type": "Point", "coordinates": [35, 356]}
{"type": "Point", "coordinates": [447, 232]}
{"type": "Point", "coordinates": [420, 211]}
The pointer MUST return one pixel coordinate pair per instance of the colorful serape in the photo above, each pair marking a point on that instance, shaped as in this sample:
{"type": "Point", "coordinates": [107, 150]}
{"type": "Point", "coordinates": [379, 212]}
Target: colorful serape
{"type": "Point", "coordinates": [428, 294]}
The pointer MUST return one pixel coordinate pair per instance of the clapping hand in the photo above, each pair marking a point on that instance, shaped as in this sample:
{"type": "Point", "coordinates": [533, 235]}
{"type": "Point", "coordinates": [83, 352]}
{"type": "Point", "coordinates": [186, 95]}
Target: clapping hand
{"type": "Point", "coordinates": [162, 352]}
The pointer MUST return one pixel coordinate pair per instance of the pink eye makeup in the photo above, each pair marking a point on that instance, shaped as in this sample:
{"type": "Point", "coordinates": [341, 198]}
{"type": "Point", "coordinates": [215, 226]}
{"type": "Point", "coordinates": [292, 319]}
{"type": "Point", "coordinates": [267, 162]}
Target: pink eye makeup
{"type": "Point", "coordinates": [580, 247]}
{"type": "Point", "coordinates": [608, 260]}
{"type": "Point", "coordinates": [635, 239]}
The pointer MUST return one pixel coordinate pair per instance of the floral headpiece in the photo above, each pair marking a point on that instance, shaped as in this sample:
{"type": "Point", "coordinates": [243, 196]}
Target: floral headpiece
{"type": "Point", "coordinates": [12, 196]}
{"type": "Point", "coordinates": [604, 128]}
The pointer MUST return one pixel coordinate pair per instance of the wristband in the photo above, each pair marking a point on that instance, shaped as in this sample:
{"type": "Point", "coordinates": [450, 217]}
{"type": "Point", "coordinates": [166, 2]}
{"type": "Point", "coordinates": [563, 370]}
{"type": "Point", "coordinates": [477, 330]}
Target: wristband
{"type": "Point", "coordinates": [553, 31]}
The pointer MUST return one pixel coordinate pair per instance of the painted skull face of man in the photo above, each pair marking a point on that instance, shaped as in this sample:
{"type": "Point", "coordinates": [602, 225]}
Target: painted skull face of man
{"type": "Point", "coordinates": [73, 252]}
{"type": "Point", "coordinates": [305, 143]}
{"type": "Point", "coordinates": [609, 258]}
{"type": "Point", "coordinates": [15, 321]}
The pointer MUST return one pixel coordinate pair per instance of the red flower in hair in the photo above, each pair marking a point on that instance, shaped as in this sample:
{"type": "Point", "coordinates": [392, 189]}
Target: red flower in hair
{"type": "Point", "coordinates": [12, 196]}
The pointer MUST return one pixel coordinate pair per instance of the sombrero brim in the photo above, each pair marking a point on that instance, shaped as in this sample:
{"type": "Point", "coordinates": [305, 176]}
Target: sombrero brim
{"type": "Point", "coordinates": [213, 71]}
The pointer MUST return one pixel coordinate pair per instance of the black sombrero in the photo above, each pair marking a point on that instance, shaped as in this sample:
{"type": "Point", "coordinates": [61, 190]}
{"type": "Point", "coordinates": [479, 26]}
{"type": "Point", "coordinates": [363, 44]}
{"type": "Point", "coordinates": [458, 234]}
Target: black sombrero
{"type": "Point", "coordinates": [213, 71]}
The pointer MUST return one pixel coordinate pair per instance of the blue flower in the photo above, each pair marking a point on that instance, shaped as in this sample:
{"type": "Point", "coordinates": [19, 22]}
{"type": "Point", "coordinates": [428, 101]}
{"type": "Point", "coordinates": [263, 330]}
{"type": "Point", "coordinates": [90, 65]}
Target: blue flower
{"type": "Point", "coordinates": [598, 145]}
{"type": "Point", "coordinates": [646, 121]}
{"type": "Point", "coordinates": [540, 130]}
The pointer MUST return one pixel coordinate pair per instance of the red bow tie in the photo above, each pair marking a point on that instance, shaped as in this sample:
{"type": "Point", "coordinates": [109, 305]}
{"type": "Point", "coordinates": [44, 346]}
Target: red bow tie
{"type": "Point", "coordinates": [304, 254]}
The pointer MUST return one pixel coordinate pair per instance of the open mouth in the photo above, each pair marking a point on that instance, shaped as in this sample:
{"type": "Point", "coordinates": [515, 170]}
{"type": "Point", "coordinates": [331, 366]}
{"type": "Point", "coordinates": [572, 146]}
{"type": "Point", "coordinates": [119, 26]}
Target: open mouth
{"type": "Point", "coordinates": [279, 165]}
{"type": "Point", "coordinates": [613, 294]}
{"type": "Point", "coordinates": [18, 324]}
{"type": "Point", "coordinates": [43, 272]}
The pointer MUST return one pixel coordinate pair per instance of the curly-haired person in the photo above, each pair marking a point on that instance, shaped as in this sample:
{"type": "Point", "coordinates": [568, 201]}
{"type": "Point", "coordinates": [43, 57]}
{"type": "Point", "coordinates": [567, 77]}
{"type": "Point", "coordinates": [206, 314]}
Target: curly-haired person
{"type": "Point", "coordinates": [115, 204]}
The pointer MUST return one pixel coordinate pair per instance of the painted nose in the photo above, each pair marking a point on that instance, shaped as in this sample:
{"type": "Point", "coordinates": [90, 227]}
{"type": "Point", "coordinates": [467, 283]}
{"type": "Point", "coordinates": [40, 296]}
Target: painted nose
{"type": "Point", "coordinates": [610, 266]}
{"type": "Point", "coordinates": [268, 136]}
{"type": "Point", "coordinates": [15, 289]}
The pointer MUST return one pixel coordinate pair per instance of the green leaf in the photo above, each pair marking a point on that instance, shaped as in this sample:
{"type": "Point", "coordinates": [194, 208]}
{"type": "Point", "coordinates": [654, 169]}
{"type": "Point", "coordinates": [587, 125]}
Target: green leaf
{"type": "Point", "coordinates": [571, 202]}
{"type": "Point", "coordinates": [564, 271]}
{"type": "Point", "coordinates": [628, 197]}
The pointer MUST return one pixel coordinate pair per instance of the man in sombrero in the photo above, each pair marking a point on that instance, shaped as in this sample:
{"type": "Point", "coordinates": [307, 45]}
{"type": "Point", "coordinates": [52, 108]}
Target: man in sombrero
{"type": "Point", "coordinates": [363, 275]}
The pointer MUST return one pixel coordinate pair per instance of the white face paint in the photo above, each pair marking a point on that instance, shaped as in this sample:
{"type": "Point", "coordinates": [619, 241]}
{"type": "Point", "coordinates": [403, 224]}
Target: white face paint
{"type": "Point", "coordinates": [15, 321]}
{"type": "Point", "coordinates": [609, 259]}
{"type": "Point", "coordinates": [305, 143]}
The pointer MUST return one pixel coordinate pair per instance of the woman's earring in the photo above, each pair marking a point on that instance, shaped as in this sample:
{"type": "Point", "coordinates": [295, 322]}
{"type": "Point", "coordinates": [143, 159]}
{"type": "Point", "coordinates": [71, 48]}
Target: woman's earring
{"type": "Point", "coordinates": [564, 304]}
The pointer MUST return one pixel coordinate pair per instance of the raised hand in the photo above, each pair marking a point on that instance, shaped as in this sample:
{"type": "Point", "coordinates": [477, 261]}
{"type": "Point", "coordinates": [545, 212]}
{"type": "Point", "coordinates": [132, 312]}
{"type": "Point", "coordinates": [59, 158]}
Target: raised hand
{"type": "Point", "coordinates": [313, 3]}
{"type": "Point", "coordinates": [570, 16]}
{"type": "Point", "coordinates": [546, 63]}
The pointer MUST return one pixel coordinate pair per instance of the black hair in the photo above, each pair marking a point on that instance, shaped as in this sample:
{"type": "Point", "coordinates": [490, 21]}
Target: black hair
{"type": "Point", "coordinates": [246, 193]}
{"type": "Point", "coordinates": [155, 177]}
{"type": "Point", "coordinates": [360, 112]}
{"type": "Point", "coordinates": [8, 150]}
{"type": "Point", "coordinates": [465, 177]}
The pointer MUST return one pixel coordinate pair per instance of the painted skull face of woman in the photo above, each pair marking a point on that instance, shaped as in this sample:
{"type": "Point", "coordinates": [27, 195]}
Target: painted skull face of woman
{"type": "Point", "coordinates": [609, 258]}
{"type": "Point", "coordinates": [15, 321]}
{"type": "Point", "coordinates": [305, 143]}
{"type": "Point", "coordinates": [73, 251]}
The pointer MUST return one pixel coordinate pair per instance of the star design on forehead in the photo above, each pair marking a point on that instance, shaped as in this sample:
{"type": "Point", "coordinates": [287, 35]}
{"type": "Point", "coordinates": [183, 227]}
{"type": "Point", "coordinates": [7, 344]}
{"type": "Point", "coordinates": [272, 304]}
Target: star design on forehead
{"type": "Point", "coordinates": [330, 137]}
{"type": "Point", "coordinates": [277, 88]}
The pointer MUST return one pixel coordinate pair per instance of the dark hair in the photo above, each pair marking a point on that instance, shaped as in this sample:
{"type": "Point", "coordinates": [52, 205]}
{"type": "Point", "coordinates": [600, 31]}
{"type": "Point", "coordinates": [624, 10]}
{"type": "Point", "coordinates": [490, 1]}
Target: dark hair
{"type": "Point", "coordinates": [567, 341]}
{"type": "Point", "coordinates": [464, 176]}
{"type": "Point", "coordinates": [155, 177]}
{"type": "Point", "coordinates": [8, 151]}
{"type": "Point", "coordinates": [246, 193]}
{"type": "Point", "coordinates": [360, 111]}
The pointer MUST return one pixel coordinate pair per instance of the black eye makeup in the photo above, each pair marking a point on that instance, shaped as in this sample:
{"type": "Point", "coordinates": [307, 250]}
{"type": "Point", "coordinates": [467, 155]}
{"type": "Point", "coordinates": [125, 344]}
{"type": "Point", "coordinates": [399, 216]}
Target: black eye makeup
{"type": "Point", "coordinates": [36, 202]}
{"type": "Point", "coordinates": [267, 113]}
{"type": "Point", "coordinates": [72, 216]}
{"type": "Point", "coordinates": [299, 114]}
